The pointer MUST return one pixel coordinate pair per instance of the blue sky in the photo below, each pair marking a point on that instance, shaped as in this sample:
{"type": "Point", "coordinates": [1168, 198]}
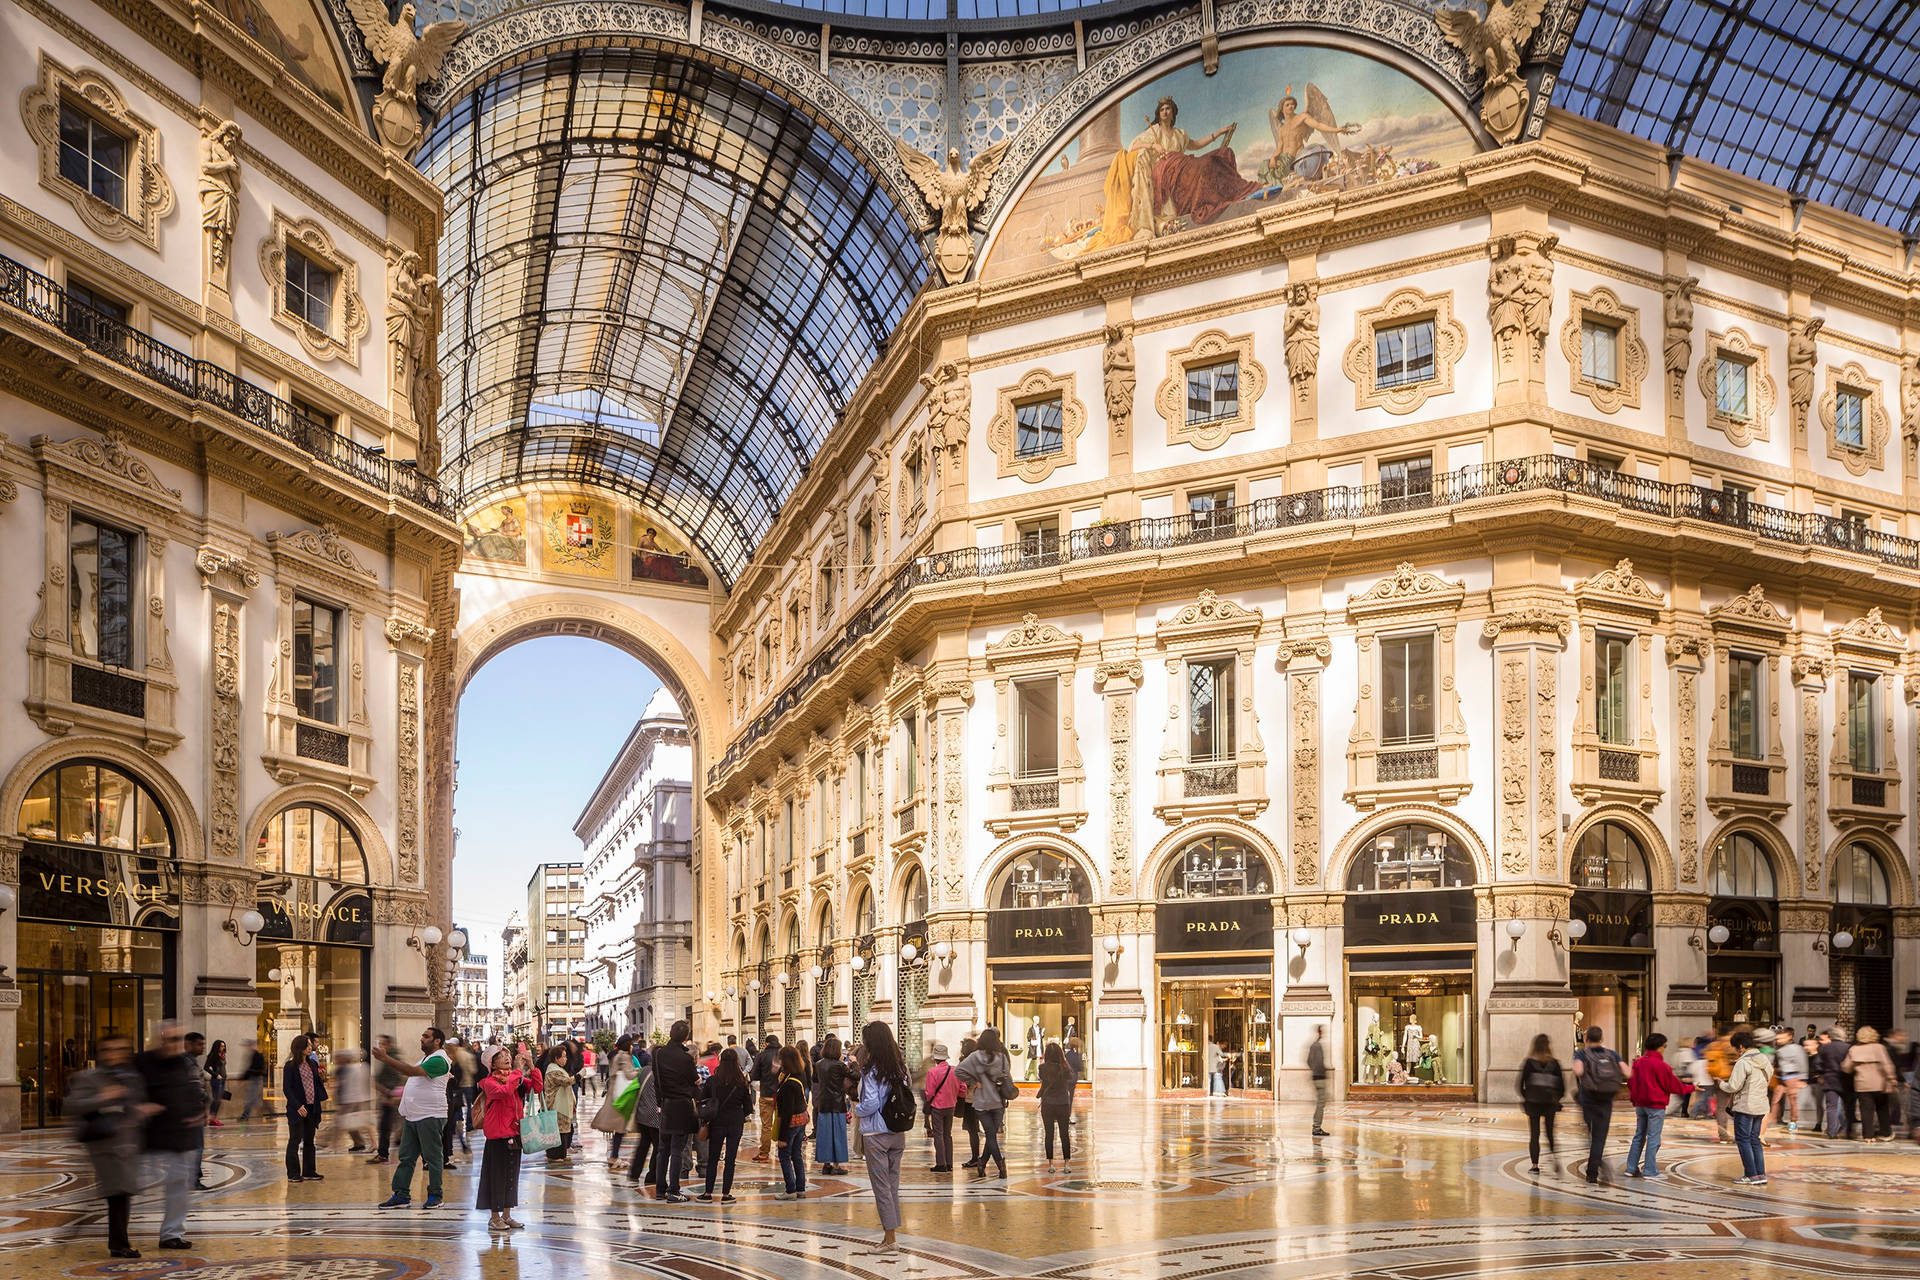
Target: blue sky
{"type": "Point", "coordinates": [538, 726]}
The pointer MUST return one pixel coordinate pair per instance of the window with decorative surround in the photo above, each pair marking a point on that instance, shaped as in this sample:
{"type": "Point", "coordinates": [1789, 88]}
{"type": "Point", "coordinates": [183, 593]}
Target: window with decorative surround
{"type": "Point", "coordinates": [97, 154]}
{"type": "Point", "coordinates": [317, 725]}
{"type": "Point", "coordinates": [1037, 781]}
{"type": "Point", "coordinates": [1864, 768]}
{"type": "Point", "coordinates": [97, 649]}
{"type": "Point", "coordinates": [1212, 761]}
{"type": "Point", "coordinates": [1409, 737]}
{"type": "Point", "coordinates": [1739, 392]}
{"type": "Point", "coordinates": [1037, 426]}
{"type": "Point", "coordinates": [315, 289]}
{"type": "Point", "coordinates": [1210, 389]}
{"type": "Point", "coordinates": [1615, 753]}
{"type": "Point", "coordinates": [1404, 351]}
{"type": "Point", "coordinates": [1605, 356]}
{"type": "Point", "coordinates": [912, 499]}
{"type": "Point", "coordinates": [1856, 422]}
{"type": "Point", "coordinates": [1746, 762]}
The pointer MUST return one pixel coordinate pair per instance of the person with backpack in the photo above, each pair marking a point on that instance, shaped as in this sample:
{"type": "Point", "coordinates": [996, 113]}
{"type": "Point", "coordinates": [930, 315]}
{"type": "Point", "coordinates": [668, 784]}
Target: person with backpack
{"type": "Point", "coordinates": [886, 1110]}
{"type": "Point", "coordinates": [943, 1095]}
{"type": "Point", "coordinates": [1652, 1086]}
{"type": "Point", "coordinates": [726, 1101]}
{"type": "Point", "coordinates": [1747, 1087]}
{"type": "Point", "coordinates": [1542, 1085]}
{"type": "Point", "coordinates": [1598, 1076]}
{"type": "Point", "coordinates": [765, 1072]}
{"type": "Point", "coordinates": [109, 1107]}
{"type": "Point", "coordinates": [985, 1074]}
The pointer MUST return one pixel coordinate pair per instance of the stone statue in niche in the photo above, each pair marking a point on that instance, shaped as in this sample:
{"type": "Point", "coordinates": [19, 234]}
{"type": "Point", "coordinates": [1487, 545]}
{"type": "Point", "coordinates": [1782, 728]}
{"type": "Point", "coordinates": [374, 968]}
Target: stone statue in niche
{"type": "Point", "coordinates": [1803, 359]}
{"type": "Point", "coordinates": [1677, 313]}
{"type": "Point", "coordinates": [410, 301]}
{"type": "Point", "coordinates": [219, 192]}
{"type": "Point", "coordinates": [1302, 335]}
{"type": "Point", "coordinates": [1118, 378]}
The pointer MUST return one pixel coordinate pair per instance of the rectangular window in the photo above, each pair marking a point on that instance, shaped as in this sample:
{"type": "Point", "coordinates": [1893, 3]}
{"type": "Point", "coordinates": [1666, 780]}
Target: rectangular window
{"type": "Point", "coordinates": [312, 417]}
{"type": "Point", "coordinates": [859, 788]}
{"type": "Point", "coordinates": [916, 482]}
{"type": "Point", "coordinates": [1210, 701]}
{"type": "Point", "coordinates": [1211, 510]}
{"type": "Point", "coordinates": [909, 757]}
{"type": "Point", "coordinates": [865, 540]}
{"type": "Point", "coordinates": [826, 592]}
{"type": "Point", "coordinates": [1406, 690]}
{"type": "Point", "coordinates": [92, 156]}
{"type": "Point", "coordinates": [1730, 388]}
{"type": "Point", "coordinates": [309, 291]}
{"type": "Point", "coordinates": [1600, 352]}
{"type": "Point", "coordinates": [1743, 707]}
{"type": "Point", "coordinates": [316, 671]}
{"type": "Point", "coordinates": [1406, 483]}
{"type": "Point", "coordinates": [1038, 722]}
{"type": "Point", "coordinates": [1863, 721]}
{"type": "Point", "coordinates": [1849, 409]}
{"type": "Point", "coordinates": [788, 860]}
{"type": "Point", "coordinates": [101, 595]}
{"type": "Point", "coordinates": [1611, 702]}
{"type": "Point", "coordinates": [1213, 392]}
{"type": "Point", "coordinates": [1403, 354]}
{"type": "Point", "coordinates": [93, 317]}
{"type": "Point", "coordinates": [766, 851]}
{"type": "Point", "coordinates": [1039, 540]}
{"type": "Point", "coordinates": [820, 808]}
{"type": "Point", "coordinates": [1037, 428]}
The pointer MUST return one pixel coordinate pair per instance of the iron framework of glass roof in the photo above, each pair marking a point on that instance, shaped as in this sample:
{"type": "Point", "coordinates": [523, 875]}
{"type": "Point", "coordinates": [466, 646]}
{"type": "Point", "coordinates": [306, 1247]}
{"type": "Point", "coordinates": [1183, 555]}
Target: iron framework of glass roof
{"type": "Point", "coordinates": [659, 279]}
{"type": "Point", "coordinates": [1818, 97]}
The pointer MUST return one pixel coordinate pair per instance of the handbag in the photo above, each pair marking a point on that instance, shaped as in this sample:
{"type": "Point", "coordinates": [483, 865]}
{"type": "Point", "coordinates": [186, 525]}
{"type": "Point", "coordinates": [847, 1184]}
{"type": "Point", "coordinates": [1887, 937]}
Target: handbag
{"type": "Point", "coordinates": [96, 1126]}
{"type": "Point", "coordinates": [539, 1128]}
{"type": "Point", "coordinates": [477, 1112]}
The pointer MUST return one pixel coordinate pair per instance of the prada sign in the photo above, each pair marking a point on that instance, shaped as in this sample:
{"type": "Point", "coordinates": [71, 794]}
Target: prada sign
{"type": "Point", "coordinates": [98, 887]}
{"type": "Point", "coordinates": [1040, 931]}
{"type": "Point", "coordinates": [1615, 918]}
{"type": "Point", "coordinates": [1214, 924]}
{"type": "Point", "coordinates": [1410, 919]}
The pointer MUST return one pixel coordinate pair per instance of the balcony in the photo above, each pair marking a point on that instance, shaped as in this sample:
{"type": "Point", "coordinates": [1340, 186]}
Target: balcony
{"type": "Point", "coordinates": [1751, 779]}
{"type": "Point", "coordinates": [1209, 780]}
{"type": "Point", "coordinates": [1232, 788]}
{"type": "Point", "coordinates": [857, 846]}
{"type": "Point", "coordinates": [1619, 766]}
{"type": "Point", "coordinates": [1870, 793]}
{"type": "Point", "coordinates": [1038, 802]}
{"type": "Point", "coordinates": [1414, 764]}
{"type": "Point", "coordinates": [28, 292]}
{"type": "Point", "coordinates": [1039, 793]}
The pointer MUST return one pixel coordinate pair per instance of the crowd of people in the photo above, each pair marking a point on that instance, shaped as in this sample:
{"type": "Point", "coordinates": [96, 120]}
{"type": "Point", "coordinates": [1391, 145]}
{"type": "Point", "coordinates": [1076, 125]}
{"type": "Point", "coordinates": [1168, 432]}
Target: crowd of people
{"type": "Point", "coordinates": [685, 1109]}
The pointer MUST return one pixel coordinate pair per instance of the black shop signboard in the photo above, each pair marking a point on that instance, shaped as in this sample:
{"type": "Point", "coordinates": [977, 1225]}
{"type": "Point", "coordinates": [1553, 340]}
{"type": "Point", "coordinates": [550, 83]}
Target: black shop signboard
{"type": "Point", "coordinates": [97, 886]}
{"type": "Point", "coordinates": [1410, 919]}
{"type": "Point", "coordinates": [1618, 920]}
{"type": "Point", "coordinates": [1871, 927]}
{"type": "Point", "coordinates": [1752, 924]}
{"type": "Point", "coordinates": [1214, 924]}
{"type": "Point", "coordinates": [1040, 931]}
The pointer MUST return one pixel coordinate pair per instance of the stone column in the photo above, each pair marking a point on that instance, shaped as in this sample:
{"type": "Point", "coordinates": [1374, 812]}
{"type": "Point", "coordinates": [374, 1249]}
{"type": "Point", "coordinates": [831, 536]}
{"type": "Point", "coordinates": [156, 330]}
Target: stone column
{"type": "Point", "coordinates": [1906, 968]}
{"type": "Point", "coordinates": [1807, 990]}
{"type": "Point", "coordinates": [1526, 647]}
{"type": "Point", "coordinates": [1312, 996]}
{"type": "Point", "coordinates": [1529, 991]}
{"type": "Point", "coordinates": [1301, 660]}
{"type": "Point", "coordinates": [1125, 1056]}
{"type": "Point", "coordinates": [397, 971]}
{"type": "Point", "coordinates": [1681, 1003]}
{"type": "Point", "coordinates": [953, 1008]}
{"type": "Point", "coordinates": [216, 963]}
{"type": "Point", "coordinates": [9, 988]}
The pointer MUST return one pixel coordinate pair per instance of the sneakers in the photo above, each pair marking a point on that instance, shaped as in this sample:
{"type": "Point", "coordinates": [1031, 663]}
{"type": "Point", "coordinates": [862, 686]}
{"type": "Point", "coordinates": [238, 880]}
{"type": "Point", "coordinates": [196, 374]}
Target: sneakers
{"type": "Point", "coordinates": [176, 1243]}
{"type": "Point", "coordinates": [1321, 1133]}
{"type": "Point", "coordinates": [431, 1202]}
{"type": "Point", "coordinates": [1634, 1173]}
{"type": "Point", "coordinates": [705, 1197]}
{"type": "Point", "coordinates": [728, 1200]}
{"type": "Point", "coordinates": [395, 1201]}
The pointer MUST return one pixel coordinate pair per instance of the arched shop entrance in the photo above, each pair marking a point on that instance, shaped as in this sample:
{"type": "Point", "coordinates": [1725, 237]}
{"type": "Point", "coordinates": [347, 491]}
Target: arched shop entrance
{"type": "Point", "coordinates": [1040, 955]}
{"type": "Point", "coordinates": [1213, 945]}
{"type": "Point", "coordinates": [1611, 963]}
{"type": "Point", "coordinates": [1861, 945]}
{"type": "Point", "coordinates": [1743, 932]}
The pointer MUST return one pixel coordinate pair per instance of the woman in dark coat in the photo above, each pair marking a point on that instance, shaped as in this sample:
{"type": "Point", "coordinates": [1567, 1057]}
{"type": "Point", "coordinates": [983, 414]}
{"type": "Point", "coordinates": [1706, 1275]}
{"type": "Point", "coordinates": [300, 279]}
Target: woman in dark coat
{"type": "Point", "coordinates": [109, 1104]}
{"type": "Point", "coordinates": [1542, 1085]}
{"type": "Point", "coordinates": [303, 1086]}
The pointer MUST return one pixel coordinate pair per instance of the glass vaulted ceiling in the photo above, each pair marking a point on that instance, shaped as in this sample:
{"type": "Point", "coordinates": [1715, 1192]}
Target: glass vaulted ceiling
{"type": "Point", "coordinates": [659, 279]}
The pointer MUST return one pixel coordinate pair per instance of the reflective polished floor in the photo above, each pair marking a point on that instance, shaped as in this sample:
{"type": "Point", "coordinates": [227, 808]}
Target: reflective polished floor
{"type": "Point", "coordinates": [1163, 1190]}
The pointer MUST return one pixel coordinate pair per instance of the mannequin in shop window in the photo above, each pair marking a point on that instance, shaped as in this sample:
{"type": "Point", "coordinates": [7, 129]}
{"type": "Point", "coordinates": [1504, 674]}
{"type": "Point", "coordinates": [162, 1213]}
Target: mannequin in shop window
{"type": "Point", "coordinates": [1036, 1043]}
{"type": "Point", "coordinates": [1413, 1038]}
{"type": "Point", "coordinates": [1428, 1069]}
{"type": "Point", "coordinates": [1378, 1052]}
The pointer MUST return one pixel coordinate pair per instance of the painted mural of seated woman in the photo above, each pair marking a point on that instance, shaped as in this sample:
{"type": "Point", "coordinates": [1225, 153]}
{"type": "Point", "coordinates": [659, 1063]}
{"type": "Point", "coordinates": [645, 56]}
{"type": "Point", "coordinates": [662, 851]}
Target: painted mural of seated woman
{"type": "Point", "coordinates": [1159, 180]}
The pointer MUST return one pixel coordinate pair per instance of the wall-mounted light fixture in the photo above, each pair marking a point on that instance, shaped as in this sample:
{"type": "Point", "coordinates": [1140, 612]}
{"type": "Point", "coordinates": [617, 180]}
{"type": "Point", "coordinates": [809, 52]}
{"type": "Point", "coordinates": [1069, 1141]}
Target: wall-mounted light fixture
{"type": "Point", "coordinates": [250, 922]}
{"type": "Point", "coordinates": [1516, 930]}
{"type": "Point", "coordinates": [1302, 937]}
{"type": "Point", "coordinates": [1113, 945]}
{"type": "Point", "coordinates": [908, 952]}
{"type": "Point", "coordinates": [1576, 930]}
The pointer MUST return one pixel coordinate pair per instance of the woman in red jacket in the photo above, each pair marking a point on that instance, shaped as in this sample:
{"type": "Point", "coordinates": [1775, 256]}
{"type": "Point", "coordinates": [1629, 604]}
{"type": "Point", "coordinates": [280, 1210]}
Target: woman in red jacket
{"type": "Point", "coordinates": [504, 1087]}
{"type": "Point", "coordinates": [1652, 1085]}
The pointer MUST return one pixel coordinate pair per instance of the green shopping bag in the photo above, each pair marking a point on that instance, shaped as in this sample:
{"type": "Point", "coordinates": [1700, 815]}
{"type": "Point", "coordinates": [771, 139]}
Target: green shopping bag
{"type": "Point", "coordinates": [628, 1099]}
{"type": "Point", "coordinates": [539, 1127]}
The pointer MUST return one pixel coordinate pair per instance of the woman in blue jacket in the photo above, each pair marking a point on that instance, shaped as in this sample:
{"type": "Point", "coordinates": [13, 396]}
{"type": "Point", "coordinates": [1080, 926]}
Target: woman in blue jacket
{"type": "Point", "coordinates": [303, 1086]}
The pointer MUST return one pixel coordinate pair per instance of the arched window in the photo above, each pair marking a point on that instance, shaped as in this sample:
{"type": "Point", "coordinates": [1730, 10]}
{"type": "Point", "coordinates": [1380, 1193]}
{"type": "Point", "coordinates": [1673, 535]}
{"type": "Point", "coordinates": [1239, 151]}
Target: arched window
{"type": "Point", "coordinates": [793, 936]}
{"type": "Point", "coordinates": [913, 897]}
{"type": "Point", "coordinates": [306, 840]}
{"type": "Point", "coordinates": [1861, 878]}
{"type": "Point", "coordinates": [766, 946]}
{"type": "Point", "coordinates": [1610, 856]}
{"type": "Point", "coordinates": [1217, 867]}
{"type": "Point", "coordinates": [95, 805]}
{"type": "Point", "coordinates": [1742, 868]}
{"type": "Point", "coordinates": [1412, 856]}
{"type": "Point", "coordinates": [824, 932]}
{"type": "Point", "coordinates": [863, 913]}
{"type": "Point", "coordinates": [1041, 878]}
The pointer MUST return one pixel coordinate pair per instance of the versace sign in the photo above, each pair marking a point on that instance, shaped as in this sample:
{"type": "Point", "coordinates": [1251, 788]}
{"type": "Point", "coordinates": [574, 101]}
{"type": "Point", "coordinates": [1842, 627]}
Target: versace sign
{"type": "Point", "coordinates": [1214, 924]}
{"type": "Point", "coordinates": [1410, 919]}
{"type": "Point", "coordinates": [1040, 931]}
{"type": "Point", "coordinates": [97, 886]}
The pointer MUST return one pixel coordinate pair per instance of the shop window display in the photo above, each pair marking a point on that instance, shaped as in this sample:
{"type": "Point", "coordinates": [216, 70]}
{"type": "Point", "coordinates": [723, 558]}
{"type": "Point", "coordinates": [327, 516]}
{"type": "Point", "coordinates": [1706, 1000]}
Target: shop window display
{"type": "Point", "coordinates": [1032, 1016]}
{"type": "Point", "coordinates": [1412, 856]}
{"type": "Point", "coordinates": [1234, 1017]}
{"type": "Point", "coordinates": [1041, 878]}
{"type": "Point", "coordinates": [1413, 1029]}
{"type": "Point", "coordinates": [1217, 867]}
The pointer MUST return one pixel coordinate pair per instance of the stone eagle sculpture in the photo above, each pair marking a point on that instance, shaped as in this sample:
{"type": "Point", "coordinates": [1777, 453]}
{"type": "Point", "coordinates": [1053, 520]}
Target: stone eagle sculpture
{"type": "Point", "coordinates": [409, 60]}
{"type": "Point", "coordinates": [1494, 45]}
{"type": "Point", "coordinates": [953, 193]}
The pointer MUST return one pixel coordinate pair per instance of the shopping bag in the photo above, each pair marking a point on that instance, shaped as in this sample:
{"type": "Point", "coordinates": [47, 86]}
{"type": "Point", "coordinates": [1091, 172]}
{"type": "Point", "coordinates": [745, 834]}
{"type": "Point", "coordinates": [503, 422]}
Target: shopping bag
{"type": "Point", "coordinates": [539, 1128]}
{"type": "Point", "coordinates": [629, 1098]}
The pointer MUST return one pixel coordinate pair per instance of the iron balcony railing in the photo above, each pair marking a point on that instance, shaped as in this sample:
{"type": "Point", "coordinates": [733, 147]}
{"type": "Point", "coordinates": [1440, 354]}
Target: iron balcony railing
{"type": "Point", "coordinates": [26, 290]}
{"type": "Point", "coordinates": [1488, 480]}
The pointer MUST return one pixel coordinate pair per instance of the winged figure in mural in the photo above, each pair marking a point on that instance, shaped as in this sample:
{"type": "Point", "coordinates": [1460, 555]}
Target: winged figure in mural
{"type": "Point", "coordinates": [953, 193]}
{"type": "Point", "coordinates": [410, 59]}
{"type": "Point", "coordinates": [1292, 128]}
{"type": "Point", "coordinates": [1493, 46]}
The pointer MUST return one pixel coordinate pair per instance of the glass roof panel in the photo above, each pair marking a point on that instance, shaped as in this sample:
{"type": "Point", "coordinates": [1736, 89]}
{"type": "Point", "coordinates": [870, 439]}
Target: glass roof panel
{"type": "Point", "coordinates": [660, 279]}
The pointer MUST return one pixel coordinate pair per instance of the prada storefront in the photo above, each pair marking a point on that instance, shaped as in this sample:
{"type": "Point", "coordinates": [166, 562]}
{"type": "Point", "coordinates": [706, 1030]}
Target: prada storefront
{"type": "Point", "coordinates": [1040, 958]}
{"type": "Point", "coordinates": [1611, 961]}
{"type": "Point", "coordinates": [1213, 945]}
{"type": "Point", "coordinates": [311, 958]}
{"type": "Point", "coordinates": [99, 924]}
{"type": "Point", "coordinates": [1409, 916]}
{"type": "Point", "coordinates": [1743, 933]}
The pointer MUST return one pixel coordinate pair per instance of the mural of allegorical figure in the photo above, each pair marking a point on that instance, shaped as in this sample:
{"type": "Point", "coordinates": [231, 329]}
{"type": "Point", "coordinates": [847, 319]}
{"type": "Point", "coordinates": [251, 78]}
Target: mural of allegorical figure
{"type": "Point", "coordinates": [1108, 182]}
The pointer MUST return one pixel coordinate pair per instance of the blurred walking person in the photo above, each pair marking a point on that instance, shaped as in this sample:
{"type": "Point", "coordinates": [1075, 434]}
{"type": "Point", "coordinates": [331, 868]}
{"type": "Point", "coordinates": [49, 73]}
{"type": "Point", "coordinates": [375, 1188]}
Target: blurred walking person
{"type": "Point", "coordinates": [353, 1091]}
{"type": "Point", "coordinates": [253, 1081]}
{"type": "Point", "coordinates": [176, 1127]}
{"type": "Point", "coordinates": [109, 1106]}
{"type": "Point", "coordinates": [1870, 1067]}
{"type": "Point", "coordinates": [1542, 1085]}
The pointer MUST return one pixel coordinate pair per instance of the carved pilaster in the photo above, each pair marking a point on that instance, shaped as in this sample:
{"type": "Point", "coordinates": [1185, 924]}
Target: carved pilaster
{"type": "Point", "coordinates": [1525, 642]}
{"type": "Point", "coordinates": [1117, 681]}
{"type": "Point", "coordinates": [407, 771]}
{"type": "Point", "coordinates": [1302, 659]}
{"type": "Point", "coordinates": [223, 731]}
{"type": "Point", "coordinates": [1684, 652]}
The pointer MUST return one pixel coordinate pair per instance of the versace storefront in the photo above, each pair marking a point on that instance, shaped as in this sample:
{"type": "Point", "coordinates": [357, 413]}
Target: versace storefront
{"type": "Point", "coordinates": [1040, 957]}
{"type": "Point", "coordinates": [1213, 942]}
{"type": "Point", "coordinates": [1409, 917]}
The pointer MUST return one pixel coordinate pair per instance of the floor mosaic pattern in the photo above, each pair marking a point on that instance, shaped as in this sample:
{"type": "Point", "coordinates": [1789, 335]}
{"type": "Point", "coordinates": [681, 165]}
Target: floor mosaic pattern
{"type": "Point", "coordinates": [1172, 1190]}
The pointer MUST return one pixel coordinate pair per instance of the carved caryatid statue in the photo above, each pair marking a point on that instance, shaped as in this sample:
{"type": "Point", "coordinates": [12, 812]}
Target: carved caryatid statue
{"type": "Point", "coordinates": [1494, 45]}
{"type": "Point", "coordinates": [219, 191]}
{"type": "Point", "coordinates": [409, 59]}
{"type": "Point", "coordinates": [953, 193]}
{"type": "Point", "coordinates": [1118, 377]}
{"type": "Point", "coordinates": [1803, 360]}
{"type": "Point", "coordinates": [1302, 335]}
{"type": "Point", "coordinates": [410, 299]}
{"type": "Point", "coordinates": [949, 413]}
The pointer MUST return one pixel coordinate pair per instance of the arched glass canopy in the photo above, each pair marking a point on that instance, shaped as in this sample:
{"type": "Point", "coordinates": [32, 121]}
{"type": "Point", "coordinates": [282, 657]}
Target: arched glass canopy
{"type": "Point", "coordinates": [658, 279]}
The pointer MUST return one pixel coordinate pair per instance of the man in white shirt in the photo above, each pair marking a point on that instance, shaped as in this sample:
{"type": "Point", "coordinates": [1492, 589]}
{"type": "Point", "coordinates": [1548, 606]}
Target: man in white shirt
{"type": "Point", "coordinates": [423, 1113]}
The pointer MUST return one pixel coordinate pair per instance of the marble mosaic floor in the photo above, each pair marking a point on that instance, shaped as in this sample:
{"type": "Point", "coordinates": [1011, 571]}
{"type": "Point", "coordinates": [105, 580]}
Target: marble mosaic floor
{"type": "Point", "coordinates": [1165, 1191]}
